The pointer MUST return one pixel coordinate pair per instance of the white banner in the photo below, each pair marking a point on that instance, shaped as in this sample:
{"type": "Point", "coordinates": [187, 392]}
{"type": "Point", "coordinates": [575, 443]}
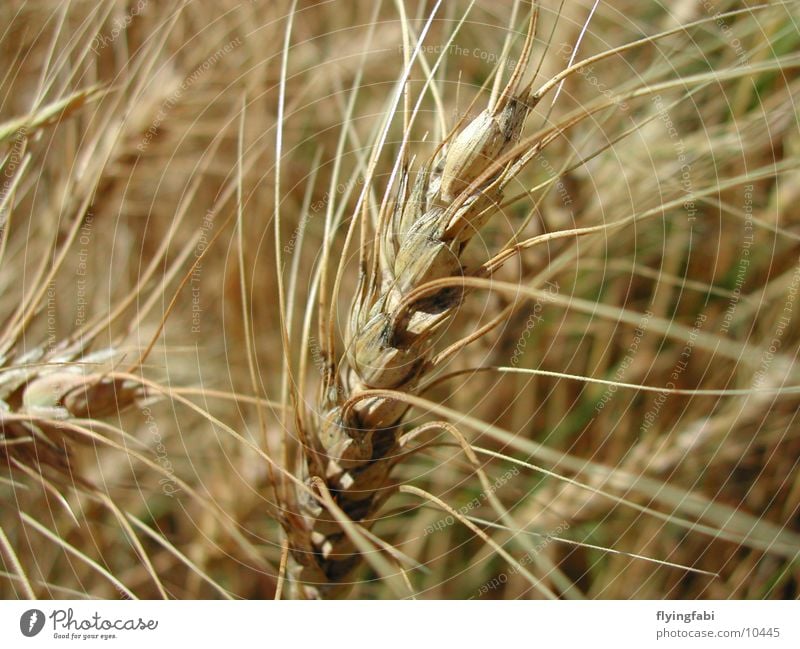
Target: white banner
{"type": "Point", "coordinates": [353, 624]}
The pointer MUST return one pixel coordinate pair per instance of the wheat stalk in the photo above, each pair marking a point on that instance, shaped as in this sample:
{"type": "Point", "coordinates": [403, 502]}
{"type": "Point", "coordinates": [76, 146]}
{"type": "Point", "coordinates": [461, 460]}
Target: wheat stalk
{"type": "Point", "coordinates": [392, 326]}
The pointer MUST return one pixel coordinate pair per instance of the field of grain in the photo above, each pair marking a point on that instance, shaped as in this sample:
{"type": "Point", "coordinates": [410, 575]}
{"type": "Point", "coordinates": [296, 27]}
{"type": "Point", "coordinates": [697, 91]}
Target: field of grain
{"type": "Point", "coordinates": [399, 299]}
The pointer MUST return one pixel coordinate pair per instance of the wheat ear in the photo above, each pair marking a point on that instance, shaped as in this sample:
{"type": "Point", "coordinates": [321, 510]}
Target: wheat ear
{"type": "Point", "coordinates": [392, 324]}
{"type": "Point", "coordinates": [41, 390]}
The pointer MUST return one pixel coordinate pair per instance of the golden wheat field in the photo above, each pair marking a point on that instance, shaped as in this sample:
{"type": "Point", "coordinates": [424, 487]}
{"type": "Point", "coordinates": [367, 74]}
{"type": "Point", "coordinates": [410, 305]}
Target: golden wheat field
{"type": "Point", "coordinates": [399, 299]}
